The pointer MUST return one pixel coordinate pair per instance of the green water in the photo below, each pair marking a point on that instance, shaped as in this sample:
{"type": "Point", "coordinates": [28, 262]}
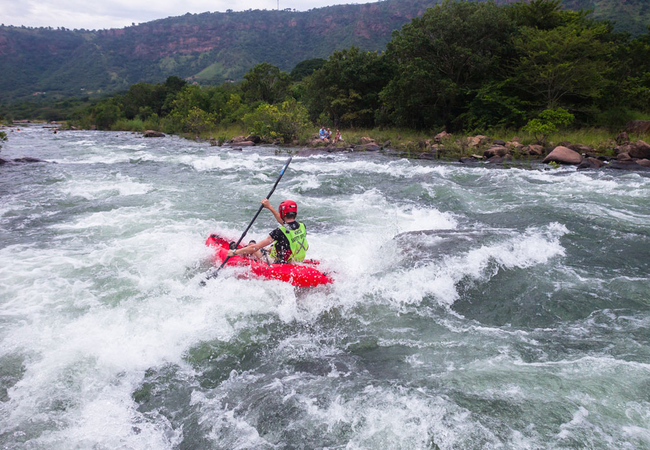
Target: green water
{"type": "Point", "coordinates": [473, 307]}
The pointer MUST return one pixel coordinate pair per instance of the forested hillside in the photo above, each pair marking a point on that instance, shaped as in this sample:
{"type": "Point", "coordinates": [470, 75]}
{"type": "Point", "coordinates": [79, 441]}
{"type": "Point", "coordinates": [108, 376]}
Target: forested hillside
{"type": "Point", "coordinates": [212, 48]}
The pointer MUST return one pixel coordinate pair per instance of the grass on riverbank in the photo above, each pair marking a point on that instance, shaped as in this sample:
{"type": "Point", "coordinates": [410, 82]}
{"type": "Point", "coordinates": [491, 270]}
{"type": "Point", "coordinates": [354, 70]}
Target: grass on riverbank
{"type": "Point", "coordinates": [411, 141]}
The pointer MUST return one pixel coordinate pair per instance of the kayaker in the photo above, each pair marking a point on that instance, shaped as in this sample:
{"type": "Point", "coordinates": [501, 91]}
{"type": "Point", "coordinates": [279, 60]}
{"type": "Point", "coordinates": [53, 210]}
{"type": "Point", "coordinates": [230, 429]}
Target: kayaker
{"type": "Point", "coordinates": [289, 239]}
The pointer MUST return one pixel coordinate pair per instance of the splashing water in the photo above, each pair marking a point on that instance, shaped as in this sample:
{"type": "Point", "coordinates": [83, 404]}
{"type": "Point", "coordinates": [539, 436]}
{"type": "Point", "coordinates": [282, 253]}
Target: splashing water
{"type": "Point", "coordinates": [472, 307]}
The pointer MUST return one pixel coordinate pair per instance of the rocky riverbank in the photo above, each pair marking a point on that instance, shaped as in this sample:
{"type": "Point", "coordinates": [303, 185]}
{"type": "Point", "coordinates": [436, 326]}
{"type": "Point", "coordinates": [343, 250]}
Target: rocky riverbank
{"type": "Point", "coordinates": [618, 153]}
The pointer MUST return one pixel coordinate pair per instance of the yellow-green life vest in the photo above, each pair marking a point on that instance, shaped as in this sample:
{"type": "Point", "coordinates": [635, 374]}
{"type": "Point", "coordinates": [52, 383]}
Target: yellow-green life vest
{"type": "Point", "coordinates": [298, 242]}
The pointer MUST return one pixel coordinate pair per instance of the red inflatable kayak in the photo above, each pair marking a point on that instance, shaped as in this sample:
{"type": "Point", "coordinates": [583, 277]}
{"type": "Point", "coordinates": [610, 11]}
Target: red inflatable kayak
{"type": "Point", "coordinates": [303, 274]}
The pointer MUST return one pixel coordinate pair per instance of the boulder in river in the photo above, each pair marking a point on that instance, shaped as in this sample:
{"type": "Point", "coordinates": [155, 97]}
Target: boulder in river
{"type": "Point", "coordinates": [153, 133]}
{"type": "Point", "coordinates": [563, 155]}
{"type": "Point", "coordinates": [591, 163]}
{"type": "Point", "coordinates": [28, 159]}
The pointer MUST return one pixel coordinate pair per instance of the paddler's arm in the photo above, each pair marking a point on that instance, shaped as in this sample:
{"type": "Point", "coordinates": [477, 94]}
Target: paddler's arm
{"type": "Point", "coordinates": [251, 248]}
{"type": "Point", "coordinates": [276, 214]}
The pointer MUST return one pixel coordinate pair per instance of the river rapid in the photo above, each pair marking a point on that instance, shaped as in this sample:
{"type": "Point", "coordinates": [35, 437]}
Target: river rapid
{"type": "Point", "coordinates": [472, 308]}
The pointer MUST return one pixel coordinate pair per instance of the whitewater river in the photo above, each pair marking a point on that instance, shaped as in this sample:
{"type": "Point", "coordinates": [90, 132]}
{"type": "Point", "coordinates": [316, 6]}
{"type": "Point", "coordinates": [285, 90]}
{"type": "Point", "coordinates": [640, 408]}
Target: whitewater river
{"type": "Point", "coordinates": [517, 318]}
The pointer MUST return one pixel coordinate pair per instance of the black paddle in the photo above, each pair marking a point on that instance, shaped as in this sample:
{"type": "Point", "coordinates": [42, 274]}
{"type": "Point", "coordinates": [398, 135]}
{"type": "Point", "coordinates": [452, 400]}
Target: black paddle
{"type": "Point", "coordinates": [216, 272]}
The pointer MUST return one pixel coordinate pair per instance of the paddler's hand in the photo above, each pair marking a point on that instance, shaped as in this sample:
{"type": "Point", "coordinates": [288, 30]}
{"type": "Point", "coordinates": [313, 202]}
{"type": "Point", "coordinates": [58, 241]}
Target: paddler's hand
{"type": "Point", "coordinates": [231, 253]}
{"type": "Point", "coordinates": [266, 203]}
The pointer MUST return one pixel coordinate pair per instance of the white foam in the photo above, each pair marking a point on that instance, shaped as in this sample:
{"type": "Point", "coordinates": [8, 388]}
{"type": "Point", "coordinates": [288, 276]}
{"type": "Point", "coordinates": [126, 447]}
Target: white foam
{"type": "Point", "coordinates": [94, 189]}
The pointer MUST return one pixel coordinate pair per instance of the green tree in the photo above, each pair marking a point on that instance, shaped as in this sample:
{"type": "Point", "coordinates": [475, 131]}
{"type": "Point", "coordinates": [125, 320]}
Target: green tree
{"type": "Point", "coordinates": [549, 121]}
{"type": "Point", "coordinates": [630, 84]}
{"type": "Point", "coordinates": [265, 83]}
{"type": "Point", "coordinates": [105, 114]}
{"type": "Point", "coordinates": [307, 67]}
{"type": "Point", "coordinates": [540, 14]}
{"type": "Point", "coordinates": [346, 89]}
{"type": "Point", "coordinates": [287, 122]}
{"type": "Point", "coordinates": [564, 65]}
{"type": "Point", "coordinates": [442, 58]}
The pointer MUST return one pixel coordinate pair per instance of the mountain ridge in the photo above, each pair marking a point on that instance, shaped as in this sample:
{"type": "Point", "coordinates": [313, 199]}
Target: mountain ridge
{"type": "Point", "coordinates": [208, 48]}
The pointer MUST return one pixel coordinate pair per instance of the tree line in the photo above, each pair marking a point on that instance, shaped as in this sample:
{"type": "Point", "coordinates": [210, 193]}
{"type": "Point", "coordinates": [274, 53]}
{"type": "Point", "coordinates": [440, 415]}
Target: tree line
{"type": "Point", "coordinates": [472, 66]}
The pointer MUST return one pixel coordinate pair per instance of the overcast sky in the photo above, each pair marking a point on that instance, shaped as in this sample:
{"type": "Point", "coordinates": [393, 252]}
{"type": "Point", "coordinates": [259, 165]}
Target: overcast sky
{"type": "Point", "coordinates": [121, 13]}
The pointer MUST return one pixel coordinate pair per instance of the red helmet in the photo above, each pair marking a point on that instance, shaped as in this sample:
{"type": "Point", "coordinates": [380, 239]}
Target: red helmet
{"type": "Point", "coordinates": [288, 206]}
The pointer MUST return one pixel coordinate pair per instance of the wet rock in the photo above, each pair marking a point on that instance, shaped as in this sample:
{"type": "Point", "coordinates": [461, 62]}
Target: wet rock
{"type": "Point", "coordinates": [563, 155]}
{"type": "Point", "coordinates": [28, 159]}
{"type": "Point", "coordinates": [644, 162]}
{"type": "Point", "coordinates": [245, 144]}
{"type": "Point", "coordinates": [499, 142]}
{"type": "Point", "coordinates": [3, 161]}
{"type": "Point", "coordinates": [255, 139]}
{"type": "Point", "coordinates": [628, 165]}
{"type": "Point", "coordinates": [468, 160]}
{"type": "Point", "coordinates": [623, 157]}
{"type": "Point", "coordinates": [590, 163]}
{"type": "Point", "coordinates": [153, 133]}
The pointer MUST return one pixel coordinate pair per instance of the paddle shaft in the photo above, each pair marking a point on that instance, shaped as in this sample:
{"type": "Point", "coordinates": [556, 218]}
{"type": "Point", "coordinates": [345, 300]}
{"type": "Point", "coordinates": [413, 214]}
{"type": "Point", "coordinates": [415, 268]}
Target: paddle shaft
{"type": "Point", "coordinates": [214, 274]}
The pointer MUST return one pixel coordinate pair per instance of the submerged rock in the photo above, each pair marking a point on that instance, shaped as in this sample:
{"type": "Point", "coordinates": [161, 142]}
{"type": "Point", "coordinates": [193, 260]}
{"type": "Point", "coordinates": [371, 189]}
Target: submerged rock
{"type": "Point", "coordinates": [28, 159]}
{"type": "Point", "coordinates": [591, 163]}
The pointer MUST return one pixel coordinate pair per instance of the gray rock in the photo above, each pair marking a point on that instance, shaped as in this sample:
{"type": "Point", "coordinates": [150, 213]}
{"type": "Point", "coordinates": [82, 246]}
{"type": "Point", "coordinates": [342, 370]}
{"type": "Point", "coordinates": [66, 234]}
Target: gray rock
{"type": "Point", "coordinates": [590, 163]}
{"type": "Point", "coordinates": [628, 165]}
{"type": "Point", "coordinates": [28, 159]}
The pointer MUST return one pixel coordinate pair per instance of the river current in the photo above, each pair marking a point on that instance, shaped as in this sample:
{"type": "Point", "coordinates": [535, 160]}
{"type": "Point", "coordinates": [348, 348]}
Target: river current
{"type": "Point", "coordinates": [472, 308]}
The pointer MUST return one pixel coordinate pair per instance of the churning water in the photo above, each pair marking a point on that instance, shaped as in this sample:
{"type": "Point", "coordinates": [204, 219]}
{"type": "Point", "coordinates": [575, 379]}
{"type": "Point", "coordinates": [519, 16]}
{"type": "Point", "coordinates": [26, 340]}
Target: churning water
{"type": "Point", "coordinates": [473, 308]}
